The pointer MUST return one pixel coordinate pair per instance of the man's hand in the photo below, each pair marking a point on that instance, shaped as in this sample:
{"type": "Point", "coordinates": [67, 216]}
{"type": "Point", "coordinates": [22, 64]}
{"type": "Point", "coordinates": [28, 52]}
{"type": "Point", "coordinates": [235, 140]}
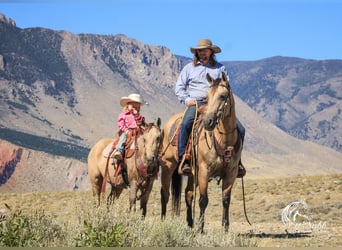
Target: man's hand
{"type": "Point", "coordinates": [191, 103]}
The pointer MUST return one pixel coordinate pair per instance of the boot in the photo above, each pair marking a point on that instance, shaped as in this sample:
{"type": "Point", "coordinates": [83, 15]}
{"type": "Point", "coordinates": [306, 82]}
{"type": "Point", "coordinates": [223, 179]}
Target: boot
{"type": "Point", "coordinates": [241, 170]}
{"type": "Point", "coordinates": [184, 167]}
{"type": "Point", "coordinates": [118, 155]}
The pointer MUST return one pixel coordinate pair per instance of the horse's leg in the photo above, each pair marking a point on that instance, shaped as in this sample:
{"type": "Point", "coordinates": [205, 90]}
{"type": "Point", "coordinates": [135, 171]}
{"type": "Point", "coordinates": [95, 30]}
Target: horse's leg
{"type": "Point", "coordinates": [110, 198]}
{"type": "Point", "coordinates": [96, 184]}
{"type": "Point", "coordinates": [226, 197]}
{"type": "Point", "coordinates": [133, 195]}
{"type": "Point", "coordinates": [144, 198]}
{"type": "Point", "coordinates": [189, 190]}
{"type": "Point", "coordinates": [203, 200]}
{"type": "Point", "coordinates": [225, 213]}
{"type": "Point", "coordinates": [114, 194]}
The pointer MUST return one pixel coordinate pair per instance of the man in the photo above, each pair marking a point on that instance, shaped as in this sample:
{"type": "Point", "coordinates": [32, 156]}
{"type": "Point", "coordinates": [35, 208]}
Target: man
{"type": "Point", "coordinates": [192, 88]}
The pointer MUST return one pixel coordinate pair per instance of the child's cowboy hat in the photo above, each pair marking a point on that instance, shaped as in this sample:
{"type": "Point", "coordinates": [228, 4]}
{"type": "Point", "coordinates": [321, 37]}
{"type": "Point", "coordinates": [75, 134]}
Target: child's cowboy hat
{"type": "Point", "coordinates": [205, 44]}
{"type": "Point", "coordinates": [131, 98]}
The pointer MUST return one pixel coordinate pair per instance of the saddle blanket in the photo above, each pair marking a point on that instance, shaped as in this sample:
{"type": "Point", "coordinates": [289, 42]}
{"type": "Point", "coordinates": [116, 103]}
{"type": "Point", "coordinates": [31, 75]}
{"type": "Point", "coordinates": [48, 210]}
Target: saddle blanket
{"type": "Point", "coordinates": [107, 149]}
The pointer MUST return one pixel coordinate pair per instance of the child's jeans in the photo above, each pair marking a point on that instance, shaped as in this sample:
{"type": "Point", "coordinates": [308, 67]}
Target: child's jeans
{"type": "Point", "coordinates": [121, 142]}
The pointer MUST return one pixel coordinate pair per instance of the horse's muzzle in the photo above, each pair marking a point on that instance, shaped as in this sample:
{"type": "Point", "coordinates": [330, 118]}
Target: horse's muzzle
{"type": "Point", "coordinates": [209, 122]}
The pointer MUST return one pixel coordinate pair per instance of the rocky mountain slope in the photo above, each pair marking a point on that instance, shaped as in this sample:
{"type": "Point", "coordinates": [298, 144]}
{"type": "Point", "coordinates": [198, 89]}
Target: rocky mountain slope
{"type": "Point", "coordinates": [66, 88]}
{"type": "Point", "coordinates": [269, 153]}
{"type": "Point", "coordinates": [27, 170]}
{"type": "Point", "coordinates": [302, 97]}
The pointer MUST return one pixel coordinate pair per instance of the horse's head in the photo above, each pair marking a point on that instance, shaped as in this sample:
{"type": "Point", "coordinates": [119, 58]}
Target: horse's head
{"type": "Point", "coordinates": [219, 101]}
{"type": "Point", "coordinates": [150, 142]}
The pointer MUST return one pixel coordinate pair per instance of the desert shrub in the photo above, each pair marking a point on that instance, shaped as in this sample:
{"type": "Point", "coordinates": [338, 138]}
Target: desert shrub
{"type": "Point", "coordinates": [32, 230]}
{"type": "Point", "coordinates": [102, 235]}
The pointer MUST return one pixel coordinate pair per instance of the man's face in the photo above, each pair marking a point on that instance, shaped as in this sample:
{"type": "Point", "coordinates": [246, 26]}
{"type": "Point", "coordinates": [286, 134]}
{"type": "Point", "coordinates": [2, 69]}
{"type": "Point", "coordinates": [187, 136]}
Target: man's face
{"type": "Point", "coordinates": [204, 55]}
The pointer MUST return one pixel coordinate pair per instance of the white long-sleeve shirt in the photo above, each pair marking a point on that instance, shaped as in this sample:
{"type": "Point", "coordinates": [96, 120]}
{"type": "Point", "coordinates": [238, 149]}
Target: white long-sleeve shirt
{"type": "Point", "coordinates": [192, 83]}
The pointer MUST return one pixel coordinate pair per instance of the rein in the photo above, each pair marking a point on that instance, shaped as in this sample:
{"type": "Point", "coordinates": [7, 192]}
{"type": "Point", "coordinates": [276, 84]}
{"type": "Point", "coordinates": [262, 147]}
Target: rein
{"type": "Point", "coordinates": [244, 201]}
{"type": "Point", "coordinates": [142, 169]}
{"type": "Point", "coordinates": [226, 151]}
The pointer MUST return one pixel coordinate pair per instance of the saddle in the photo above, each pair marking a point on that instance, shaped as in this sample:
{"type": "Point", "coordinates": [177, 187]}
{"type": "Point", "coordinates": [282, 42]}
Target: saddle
{"type": "Point", "coordinates": [108, 152]}
{"type": "Point", "coordinates": [226, 153]}
{"type": "Point", "coordinates": [175, 129]}
{"type": "Point", "coordinates": [129, 151]}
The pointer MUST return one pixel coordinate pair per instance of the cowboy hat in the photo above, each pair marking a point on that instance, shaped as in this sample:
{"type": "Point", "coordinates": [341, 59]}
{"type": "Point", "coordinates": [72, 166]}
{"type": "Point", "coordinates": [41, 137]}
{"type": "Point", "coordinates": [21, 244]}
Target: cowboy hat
{"type": "Point", "coordinates": [131, 98]}
{"type": "Point", "coordinates": [205, 44]}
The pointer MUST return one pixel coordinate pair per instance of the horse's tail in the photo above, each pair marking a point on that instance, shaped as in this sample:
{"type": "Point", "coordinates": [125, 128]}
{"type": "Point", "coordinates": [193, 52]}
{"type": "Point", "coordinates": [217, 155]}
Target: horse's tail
{"type": "Point", "coordinates": [176, 187]}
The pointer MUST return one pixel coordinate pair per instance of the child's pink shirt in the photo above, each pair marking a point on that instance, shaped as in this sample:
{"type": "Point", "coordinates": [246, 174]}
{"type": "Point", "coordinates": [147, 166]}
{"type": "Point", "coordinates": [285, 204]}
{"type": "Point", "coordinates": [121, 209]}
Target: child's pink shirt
{"type": "Point", "coordinates": [126, 120]}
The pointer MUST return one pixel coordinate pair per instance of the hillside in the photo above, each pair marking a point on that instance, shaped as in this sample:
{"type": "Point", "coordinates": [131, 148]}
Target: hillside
{"type": "Point", "coordinates": [27, 170]}
{"type": "Point", "coordinates": [63, 89]}
{"type": "Point", "coordinates": [302, 97]}
{"type": "Point", "coordinates": [269, 153]}
{"type": "Point", "coordinates": [60, 70]}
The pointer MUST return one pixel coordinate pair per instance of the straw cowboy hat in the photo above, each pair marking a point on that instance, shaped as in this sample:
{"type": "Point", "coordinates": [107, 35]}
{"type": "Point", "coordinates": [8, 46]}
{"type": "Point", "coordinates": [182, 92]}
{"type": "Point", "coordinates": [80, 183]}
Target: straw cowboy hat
{"type": "Point", "coordinates": [131, 98]}
{"type": "Point", "coordinates": [205, 44]}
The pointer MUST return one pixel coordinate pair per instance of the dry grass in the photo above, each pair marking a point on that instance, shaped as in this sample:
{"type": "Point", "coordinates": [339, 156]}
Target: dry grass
{"type": "Point", "coordinates": [265, 200]}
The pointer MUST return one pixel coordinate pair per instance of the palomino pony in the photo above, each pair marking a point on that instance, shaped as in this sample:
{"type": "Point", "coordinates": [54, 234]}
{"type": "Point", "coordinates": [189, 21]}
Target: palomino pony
{"type": "Point", "coordinates": [216, 151]}
{"type": "Point", "coordinates": [142, 167]}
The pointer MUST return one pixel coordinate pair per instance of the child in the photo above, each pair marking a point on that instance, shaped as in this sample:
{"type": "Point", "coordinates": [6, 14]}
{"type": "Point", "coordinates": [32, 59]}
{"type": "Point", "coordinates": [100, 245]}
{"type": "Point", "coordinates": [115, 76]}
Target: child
{"type": "Point", "coordinates": [129, 118]}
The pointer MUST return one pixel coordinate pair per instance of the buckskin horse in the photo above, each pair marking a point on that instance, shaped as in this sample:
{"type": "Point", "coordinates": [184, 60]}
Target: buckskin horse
{"type": "Point", "coordinates": [216, 151]}
{"type": "Point", "coordinates": [141, 164]}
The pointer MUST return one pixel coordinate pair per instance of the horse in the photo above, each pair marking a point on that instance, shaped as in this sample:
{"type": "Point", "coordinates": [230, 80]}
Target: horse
{"type": "Point", "coordinates": [141, 165]}
{"type": "Point", "coordinates": [216, 151]}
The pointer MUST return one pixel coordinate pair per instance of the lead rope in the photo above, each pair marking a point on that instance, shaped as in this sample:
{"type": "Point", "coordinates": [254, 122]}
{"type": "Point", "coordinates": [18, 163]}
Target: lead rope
{"type": "Point", "coordinates": [244, 201]}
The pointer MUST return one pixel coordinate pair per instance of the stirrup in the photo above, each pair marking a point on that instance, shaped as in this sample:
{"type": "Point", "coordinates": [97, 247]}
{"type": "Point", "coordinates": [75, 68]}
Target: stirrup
{"type": "Point", "coordinates": [184, 167]}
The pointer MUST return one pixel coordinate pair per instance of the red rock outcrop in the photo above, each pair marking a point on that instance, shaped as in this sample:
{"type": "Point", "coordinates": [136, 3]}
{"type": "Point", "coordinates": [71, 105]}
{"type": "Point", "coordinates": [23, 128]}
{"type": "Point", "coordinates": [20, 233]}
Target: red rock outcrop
{"type": "Point", "coordinates": [10, 156]}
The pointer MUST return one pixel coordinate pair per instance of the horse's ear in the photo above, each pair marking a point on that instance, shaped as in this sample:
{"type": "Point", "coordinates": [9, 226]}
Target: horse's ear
{"type": "Point", "coordinates": [225, 79]}
{"type": "Point", "coordinates": [158, 122]}
{"type": "Point", "coordinates": [224, 76]}
{"type": "Point", "coordinates": [209, 78]}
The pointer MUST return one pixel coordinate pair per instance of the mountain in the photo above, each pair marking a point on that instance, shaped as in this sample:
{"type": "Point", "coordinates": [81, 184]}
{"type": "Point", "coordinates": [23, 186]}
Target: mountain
{"type": "Point", "coordinates": [55, 86]}
{"type": "Point", "coordinates": [59, 94]}
{"type": "Point", "coordinates": [302, 97]}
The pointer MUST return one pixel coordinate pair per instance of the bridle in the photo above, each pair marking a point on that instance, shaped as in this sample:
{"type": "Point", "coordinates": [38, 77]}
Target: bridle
{"type": "Point", "coordinates": [223, 108]}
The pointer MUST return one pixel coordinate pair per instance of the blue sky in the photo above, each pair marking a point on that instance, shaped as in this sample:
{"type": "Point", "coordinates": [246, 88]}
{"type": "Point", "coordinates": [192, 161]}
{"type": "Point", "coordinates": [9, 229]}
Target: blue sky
{"type": "Point", "coordinates": [244, 29]}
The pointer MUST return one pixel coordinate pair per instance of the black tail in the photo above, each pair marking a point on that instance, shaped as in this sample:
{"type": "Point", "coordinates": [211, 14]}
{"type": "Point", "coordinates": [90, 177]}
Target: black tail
{"type": "Point", "coordinates": [176, 187]}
